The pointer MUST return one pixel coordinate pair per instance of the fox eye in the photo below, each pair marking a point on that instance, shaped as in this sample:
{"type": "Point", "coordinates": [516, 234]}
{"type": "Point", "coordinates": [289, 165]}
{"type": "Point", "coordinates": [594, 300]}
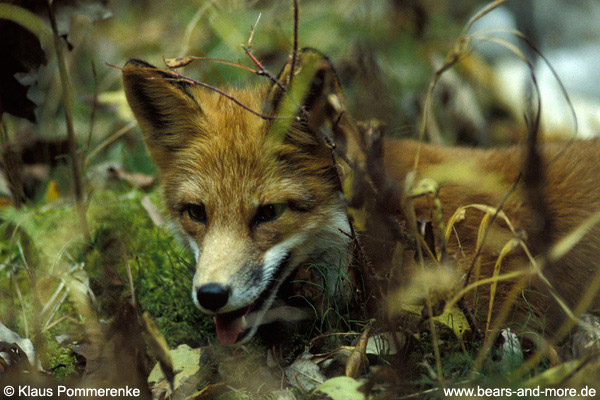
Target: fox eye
{"type": "Point", "coordinates": [269, 212]}
{"type": "Point", "coordinates": [197, 212]}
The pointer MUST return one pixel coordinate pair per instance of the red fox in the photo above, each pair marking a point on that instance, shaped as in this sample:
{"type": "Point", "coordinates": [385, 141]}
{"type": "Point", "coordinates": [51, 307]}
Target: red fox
{"type": "Point", "coordinates": [256, 198]}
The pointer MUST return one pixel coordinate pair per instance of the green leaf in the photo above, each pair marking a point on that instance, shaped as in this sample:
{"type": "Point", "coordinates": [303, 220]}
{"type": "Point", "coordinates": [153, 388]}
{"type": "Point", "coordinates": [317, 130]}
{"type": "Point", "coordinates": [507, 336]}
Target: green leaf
{"type": "Point", "coordinates": [342, 388]}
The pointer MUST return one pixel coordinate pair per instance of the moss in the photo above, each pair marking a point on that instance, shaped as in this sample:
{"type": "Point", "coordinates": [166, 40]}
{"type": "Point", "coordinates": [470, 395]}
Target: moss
{"type": "Point", "coordinates": [45, 244]}
{"type": "Point", "coordinates": [160, 266]}
{"type": "Point", "coordinates": [62, 361]}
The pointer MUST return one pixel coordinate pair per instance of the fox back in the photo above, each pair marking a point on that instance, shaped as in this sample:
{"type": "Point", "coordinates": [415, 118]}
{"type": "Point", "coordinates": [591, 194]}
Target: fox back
{"type": "Point", "coordinates": [468, 177]}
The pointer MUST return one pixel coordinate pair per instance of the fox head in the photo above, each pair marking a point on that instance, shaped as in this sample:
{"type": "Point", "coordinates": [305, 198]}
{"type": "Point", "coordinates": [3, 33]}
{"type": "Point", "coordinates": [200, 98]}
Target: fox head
{"type": "Point", "coordinates": [254, 196]}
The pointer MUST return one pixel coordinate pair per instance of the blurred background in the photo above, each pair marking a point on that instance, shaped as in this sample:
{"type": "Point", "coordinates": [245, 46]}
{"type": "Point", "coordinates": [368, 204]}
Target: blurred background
{"type": "Point", "coordinates": [385, 53]}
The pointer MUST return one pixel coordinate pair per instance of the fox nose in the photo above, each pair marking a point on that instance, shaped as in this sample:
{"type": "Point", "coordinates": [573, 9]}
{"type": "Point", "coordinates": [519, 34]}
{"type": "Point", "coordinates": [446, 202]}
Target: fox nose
{"type": "Point", "coordinates": [213, 296]}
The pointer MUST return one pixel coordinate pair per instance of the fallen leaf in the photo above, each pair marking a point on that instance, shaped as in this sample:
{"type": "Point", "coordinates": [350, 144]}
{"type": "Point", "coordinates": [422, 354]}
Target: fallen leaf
{"type": "Point", "coordinates": [342, 388]}
{"type": "Point", "coordinates": [185, 366]}
{"type": "Point", "coordinates": [16, 347]}
{"type": "Point", "coordinates": [512, 355]}
{"type": "Point", "coordinates": [304, 373]}
{"type": "Point", "coordinates": [386, 343]}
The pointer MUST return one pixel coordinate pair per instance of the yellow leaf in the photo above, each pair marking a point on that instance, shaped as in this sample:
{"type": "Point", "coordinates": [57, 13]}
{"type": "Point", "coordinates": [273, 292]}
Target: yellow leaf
{"type": "Point", "coordinates": [52, 192]}
{"type": "Point", "coordinates": [453, 318]}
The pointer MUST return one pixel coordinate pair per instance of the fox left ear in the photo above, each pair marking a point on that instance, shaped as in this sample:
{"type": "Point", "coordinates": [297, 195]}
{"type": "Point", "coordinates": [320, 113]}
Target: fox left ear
{"type": "Point", "coordinates": [308, 86]}
{"type": "Point", "coordinates": [163, 105]}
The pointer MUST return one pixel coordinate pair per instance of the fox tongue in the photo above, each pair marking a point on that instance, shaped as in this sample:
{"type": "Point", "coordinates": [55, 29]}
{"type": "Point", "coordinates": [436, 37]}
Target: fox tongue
{"type": "Point", "coordinates": [229, 326]}
{"type": "Point", "coordinates": [228, 329]}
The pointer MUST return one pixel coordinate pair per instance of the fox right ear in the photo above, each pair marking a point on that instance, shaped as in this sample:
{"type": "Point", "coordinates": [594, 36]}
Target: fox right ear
{"type": "Point", "coordinates": [163, 105]}
{"type": "Point", "coordinates": [314, 78]}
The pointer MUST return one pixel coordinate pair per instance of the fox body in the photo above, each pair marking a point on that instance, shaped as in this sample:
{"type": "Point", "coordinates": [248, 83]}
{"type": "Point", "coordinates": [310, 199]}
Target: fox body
{"type": "Point", "coordinates": [476, 176]}
{"type": "Point", "coordinates": [255, 205]}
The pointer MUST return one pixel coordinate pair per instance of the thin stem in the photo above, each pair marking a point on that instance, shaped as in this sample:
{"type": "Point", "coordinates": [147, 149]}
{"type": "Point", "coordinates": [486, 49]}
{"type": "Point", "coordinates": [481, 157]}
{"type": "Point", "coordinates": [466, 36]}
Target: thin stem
{"type": "Point", "coordinates": [93, 111]}
{"type": "Point", "coordinates": [295, 48]}
{"type": "Point", "coordinates": [64, 78]}
{"type": "Point", "coordinates": [252, 30]}
{"type": "Point", "coordinates": [181, 78]}
{"type": "Point", "coordinates": [263, 70]}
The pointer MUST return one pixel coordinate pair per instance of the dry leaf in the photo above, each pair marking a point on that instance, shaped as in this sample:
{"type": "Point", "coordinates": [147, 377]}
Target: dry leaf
{"type": "Point", "coordinates": [386, 343]}
{"type": "Point", "coordinates": [304, 373]}
{"type": "Point", "coordinates": [179, 61]}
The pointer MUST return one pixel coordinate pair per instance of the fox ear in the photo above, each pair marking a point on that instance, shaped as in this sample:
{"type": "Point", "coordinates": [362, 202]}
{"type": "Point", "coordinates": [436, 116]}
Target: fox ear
{"type": "Point", "coordinates": [314, 78]}
{"type": "Point", "coordinates": [163, 105]}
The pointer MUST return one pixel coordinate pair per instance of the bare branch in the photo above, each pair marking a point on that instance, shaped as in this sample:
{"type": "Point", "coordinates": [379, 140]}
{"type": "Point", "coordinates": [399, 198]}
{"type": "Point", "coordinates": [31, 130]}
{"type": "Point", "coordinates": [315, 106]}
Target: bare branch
{"type": "Point", "coordinates": [93, 111]}
{"type": "Point", "coordinates": [66, 93]}
{"type": "Point", "coordinates": [186, 60]}
{"type": "Point", "coordinates": [263, 70]}
{"type": "Point", "coordinates": [295, 48]}
{"type": "Point", "coordinates": [252, 31]}
{"type": "Point", "coordinates": [177, 77]}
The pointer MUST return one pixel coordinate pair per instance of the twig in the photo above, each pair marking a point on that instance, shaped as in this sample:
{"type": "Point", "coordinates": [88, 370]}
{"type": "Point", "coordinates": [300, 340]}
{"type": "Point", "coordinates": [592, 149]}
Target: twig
{"type": "Point", "coordinates": [252, 31]}
{"type": "Point", "coordinates": [20, 296]}
{"type": "Point", "coordinates": [177, 77]}
{"type": "Point", "coordinates": [263, 70]}
{"type": "Point", "coordinates": [129, 276]}
{"type": "Point", "coordinates": [108, 141]}
{"type": "Point", "coordinates": [295, 48]}
{"type": "Point", "coordinates": [183, 61]}
{"type": "Point", "coordinates": [324, 335]}
{"type": "Point", "coordinates": [230, 97]}
{"type": "Point", "coordinates": [58, 321]}
{"type": "Point", "coordinates": [93, 111]}
{"type": "Point", "coordinates": [66, 91]}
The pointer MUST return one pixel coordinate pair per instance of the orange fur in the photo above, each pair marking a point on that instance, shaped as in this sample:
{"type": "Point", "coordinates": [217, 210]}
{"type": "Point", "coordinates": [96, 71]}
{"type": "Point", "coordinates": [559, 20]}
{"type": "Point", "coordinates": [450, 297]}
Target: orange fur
{"type": "Point", "coordinates": [571, 195]}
